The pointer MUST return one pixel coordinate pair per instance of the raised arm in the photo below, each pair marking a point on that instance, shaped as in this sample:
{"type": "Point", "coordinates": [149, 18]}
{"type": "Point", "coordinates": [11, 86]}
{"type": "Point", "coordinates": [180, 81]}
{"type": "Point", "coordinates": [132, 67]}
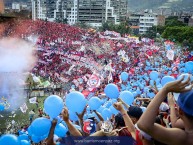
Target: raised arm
{"type": "Point", "coordinates": [73, 131]}
{"type": "Point", "coordinates": [98, 115]}
{"type": "Point", "coordinates": [146, 122]}
{"type": "Point", "coordinates": [178, 123]}
{"type": "Point", "coordinates": [127, 119]}
{"type": "Point", "coordinates": [50, 139]}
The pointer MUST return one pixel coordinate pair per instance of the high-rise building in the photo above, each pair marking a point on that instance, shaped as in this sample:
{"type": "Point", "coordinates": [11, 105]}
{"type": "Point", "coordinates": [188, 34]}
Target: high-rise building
{"type": "Point", "coordinates": [92, 12]}
{"type": "Point", "coordinates": [2, 7]}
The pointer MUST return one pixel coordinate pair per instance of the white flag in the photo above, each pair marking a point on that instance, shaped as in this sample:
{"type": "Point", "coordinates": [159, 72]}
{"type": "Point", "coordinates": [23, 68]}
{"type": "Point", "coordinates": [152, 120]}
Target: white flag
{"type": "Point", "coordinates": [23, 108]}
{"type": "Point", "coordinates": [33, 100]}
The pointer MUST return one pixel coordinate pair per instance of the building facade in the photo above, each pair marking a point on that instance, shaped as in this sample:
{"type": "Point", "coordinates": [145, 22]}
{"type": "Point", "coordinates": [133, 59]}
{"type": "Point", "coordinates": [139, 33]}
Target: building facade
{"type": "Point", "coordinates": [92, 12]}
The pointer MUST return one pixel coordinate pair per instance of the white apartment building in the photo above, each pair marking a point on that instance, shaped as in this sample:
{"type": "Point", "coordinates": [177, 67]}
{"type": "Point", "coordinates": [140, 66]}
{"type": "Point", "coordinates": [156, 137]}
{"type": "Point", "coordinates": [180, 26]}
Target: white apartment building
{"type": "Point", "coordinates": [147, 21]}
{"type": "Point", "coordinates": [91, 12]}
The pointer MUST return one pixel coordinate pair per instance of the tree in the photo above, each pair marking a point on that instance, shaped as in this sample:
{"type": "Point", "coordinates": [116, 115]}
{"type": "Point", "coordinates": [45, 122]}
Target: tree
{"type": "Point", "coordinates": [122, 28]}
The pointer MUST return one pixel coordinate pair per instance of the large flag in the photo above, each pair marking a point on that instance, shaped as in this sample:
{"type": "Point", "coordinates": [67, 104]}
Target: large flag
{"type": "Point", "coordinates": [170, 54]}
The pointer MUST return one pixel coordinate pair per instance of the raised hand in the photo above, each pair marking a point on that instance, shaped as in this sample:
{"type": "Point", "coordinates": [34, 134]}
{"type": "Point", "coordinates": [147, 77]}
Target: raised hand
{"type": "Point", "coordinates": [171, 101]}
{"type": "Point", "coordinates": [118, 106]}
{"type": "Point", "coordinates": [65, 114]}
{"type": "Point", "coordinates": [179, 86]}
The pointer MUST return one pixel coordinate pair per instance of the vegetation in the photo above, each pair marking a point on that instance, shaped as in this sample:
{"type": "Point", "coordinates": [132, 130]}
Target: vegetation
{"type": "Point", "coordinates": [174, 30]}
{"type": "Point", "coordinates": [122, 28]}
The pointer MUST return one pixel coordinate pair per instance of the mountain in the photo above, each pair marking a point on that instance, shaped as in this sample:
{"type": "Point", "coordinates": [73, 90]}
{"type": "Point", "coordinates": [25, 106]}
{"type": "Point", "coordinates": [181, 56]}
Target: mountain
{"type": "Point", "coordinates": [157, 4]}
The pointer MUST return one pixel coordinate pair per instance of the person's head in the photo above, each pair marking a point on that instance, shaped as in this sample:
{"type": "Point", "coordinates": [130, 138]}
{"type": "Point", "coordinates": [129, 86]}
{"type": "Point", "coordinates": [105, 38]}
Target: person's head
{"type": "Point", "coordinates": [134, 113]}
{"type": "Point", "coordinates": [119, 121]}
{"type": "Point", "coordinates": [185, 109]}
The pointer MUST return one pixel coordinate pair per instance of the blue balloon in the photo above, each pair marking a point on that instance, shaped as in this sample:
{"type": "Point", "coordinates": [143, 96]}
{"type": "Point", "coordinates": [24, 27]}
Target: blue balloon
{"type": "Point", "coordinates": [151, 82]}
{"type": "Point", "coordinates": [94, 103]}
{"type": "Point", "coordinates": [24, 142]}
{"type": "Point", "coordinates": [23, 137]}
{"type": "Point", "coordinates": [189, 66]}
{"type": "Point", "coordinates": [76, 102]}
{"type": "Point", "coordinates": [53, 106]}
{"type": "Point", "coordinates": [43, 137]}
{"type": "Point", "coordinates": [151, 95]}
{"type": "Point", "coordinates": [154, 75]}
{"type": "Point", "coordinates": [124, 76]}
{"type": "Point", "coordinates": [112, 91]}
{"type": "Point", "coordinates": [60, 130]}
{"type": "Point", "coordinates": [9, 139]}
{"type": "Point", "coordinates": [107, 104]}
{"type": "Point", "coordinates": [135, 94]}
{"type": "Point", "coordinates": [40, 126]}
{"type": "Point", "coordinates": [113, 110]}
{"type": "Point", "coordinates": [100, 109]}
{"type": "Point", "coordinates": [166, 80]}
{"type": "Point", "coordinates": [35, 139]}
{"type": "Point", "coordinates": [29, 130]}
{"type": "Point", "coordinates": [127, 97]}
{"type": "Point", "coordinates": [169, 73]}
{"type": "Point", "coordinates": [123, 87]}
{"type": "Point", "coordinates": [2, 107]}
{"type": "Point", "coordinates": [106, 114]}
{"type": "Point", "coordinates": [73, 116]}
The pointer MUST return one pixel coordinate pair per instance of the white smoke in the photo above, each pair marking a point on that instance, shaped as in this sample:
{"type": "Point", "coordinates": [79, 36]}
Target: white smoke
{"type": "Point", "coordinates": [16, 58]}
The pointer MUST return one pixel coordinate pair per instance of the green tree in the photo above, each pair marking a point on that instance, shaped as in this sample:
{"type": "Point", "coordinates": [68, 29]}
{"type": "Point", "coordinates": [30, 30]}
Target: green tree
{"type": "Point", "coordinates": [122, 28]}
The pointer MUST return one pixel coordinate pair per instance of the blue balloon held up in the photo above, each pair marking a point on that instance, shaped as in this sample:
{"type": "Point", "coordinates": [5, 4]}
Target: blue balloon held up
{"type": "Point", "coordinates": [112, 91]}
{"type": "Point", "coordinates": [76, 102]}
{"type": "Point", "coordinates": [124, 76]}
{"type": "Point", "coordinates": [106, 114]}
{"type": "Point", "coordinates": [9, 139]}
{"type": "Point", "coordinates": [24, 142]}
{"type": "Point", "coordinates": [35, 139]}
{"type": "Point", "coordinates": [40, 126]}
{"type": "Point", "coordinates": [113, 110]}
{"type": "Point", "coordinates": [101, 108]}
{"type": "Point", "coordinates": [166, 80]}
{"type": "Point", "coordinates": [53, 106]}
{"type": "Point", "coordinates": [127, 97]}
{"type": "Point", "coordinates": [73, 116]}
{"type": "Point", "coordinates": [189, 66]}
{"type": "Point", "coordinates": [94, 103]}
{"type": "Point", "coordinates": [60, 130]}
{"type": "Point", "coordinates": [154, 75]}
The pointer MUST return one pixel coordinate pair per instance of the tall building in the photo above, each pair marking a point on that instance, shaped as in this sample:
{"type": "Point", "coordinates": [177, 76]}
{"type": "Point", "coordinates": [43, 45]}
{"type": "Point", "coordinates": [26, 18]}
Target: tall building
{"type": "Point", "coordinates": [92, 12]}
{"type": "Point", "coordinates": [147, 21]}
{"type": "Point", "coordinates": [2, 7]}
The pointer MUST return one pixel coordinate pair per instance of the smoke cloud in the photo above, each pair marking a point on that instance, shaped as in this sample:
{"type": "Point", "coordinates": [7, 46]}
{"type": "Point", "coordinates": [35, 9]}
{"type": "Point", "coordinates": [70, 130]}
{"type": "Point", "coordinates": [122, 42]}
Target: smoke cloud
{"type": "Point", "coordinates": [16, 58]}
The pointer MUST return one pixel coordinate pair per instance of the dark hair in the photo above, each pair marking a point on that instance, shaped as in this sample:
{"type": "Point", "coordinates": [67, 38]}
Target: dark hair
{"type": "Point", "coordinates": [119, 120]}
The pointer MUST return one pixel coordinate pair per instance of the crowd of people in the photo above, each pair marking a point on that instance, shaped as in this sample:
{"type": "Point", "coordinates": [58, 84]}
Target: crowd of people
{"type": "Point", "coordinates": [91, 60]}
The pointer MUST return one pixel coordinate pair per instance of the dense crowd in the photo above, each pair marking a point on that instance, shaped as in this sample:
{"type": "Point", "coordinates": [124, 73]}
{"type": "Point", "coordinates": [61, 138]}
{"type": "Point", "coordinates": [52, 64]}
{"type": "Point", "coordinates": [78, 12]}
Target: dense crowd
{"type": "Point", "coordinates": [92, 60]}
